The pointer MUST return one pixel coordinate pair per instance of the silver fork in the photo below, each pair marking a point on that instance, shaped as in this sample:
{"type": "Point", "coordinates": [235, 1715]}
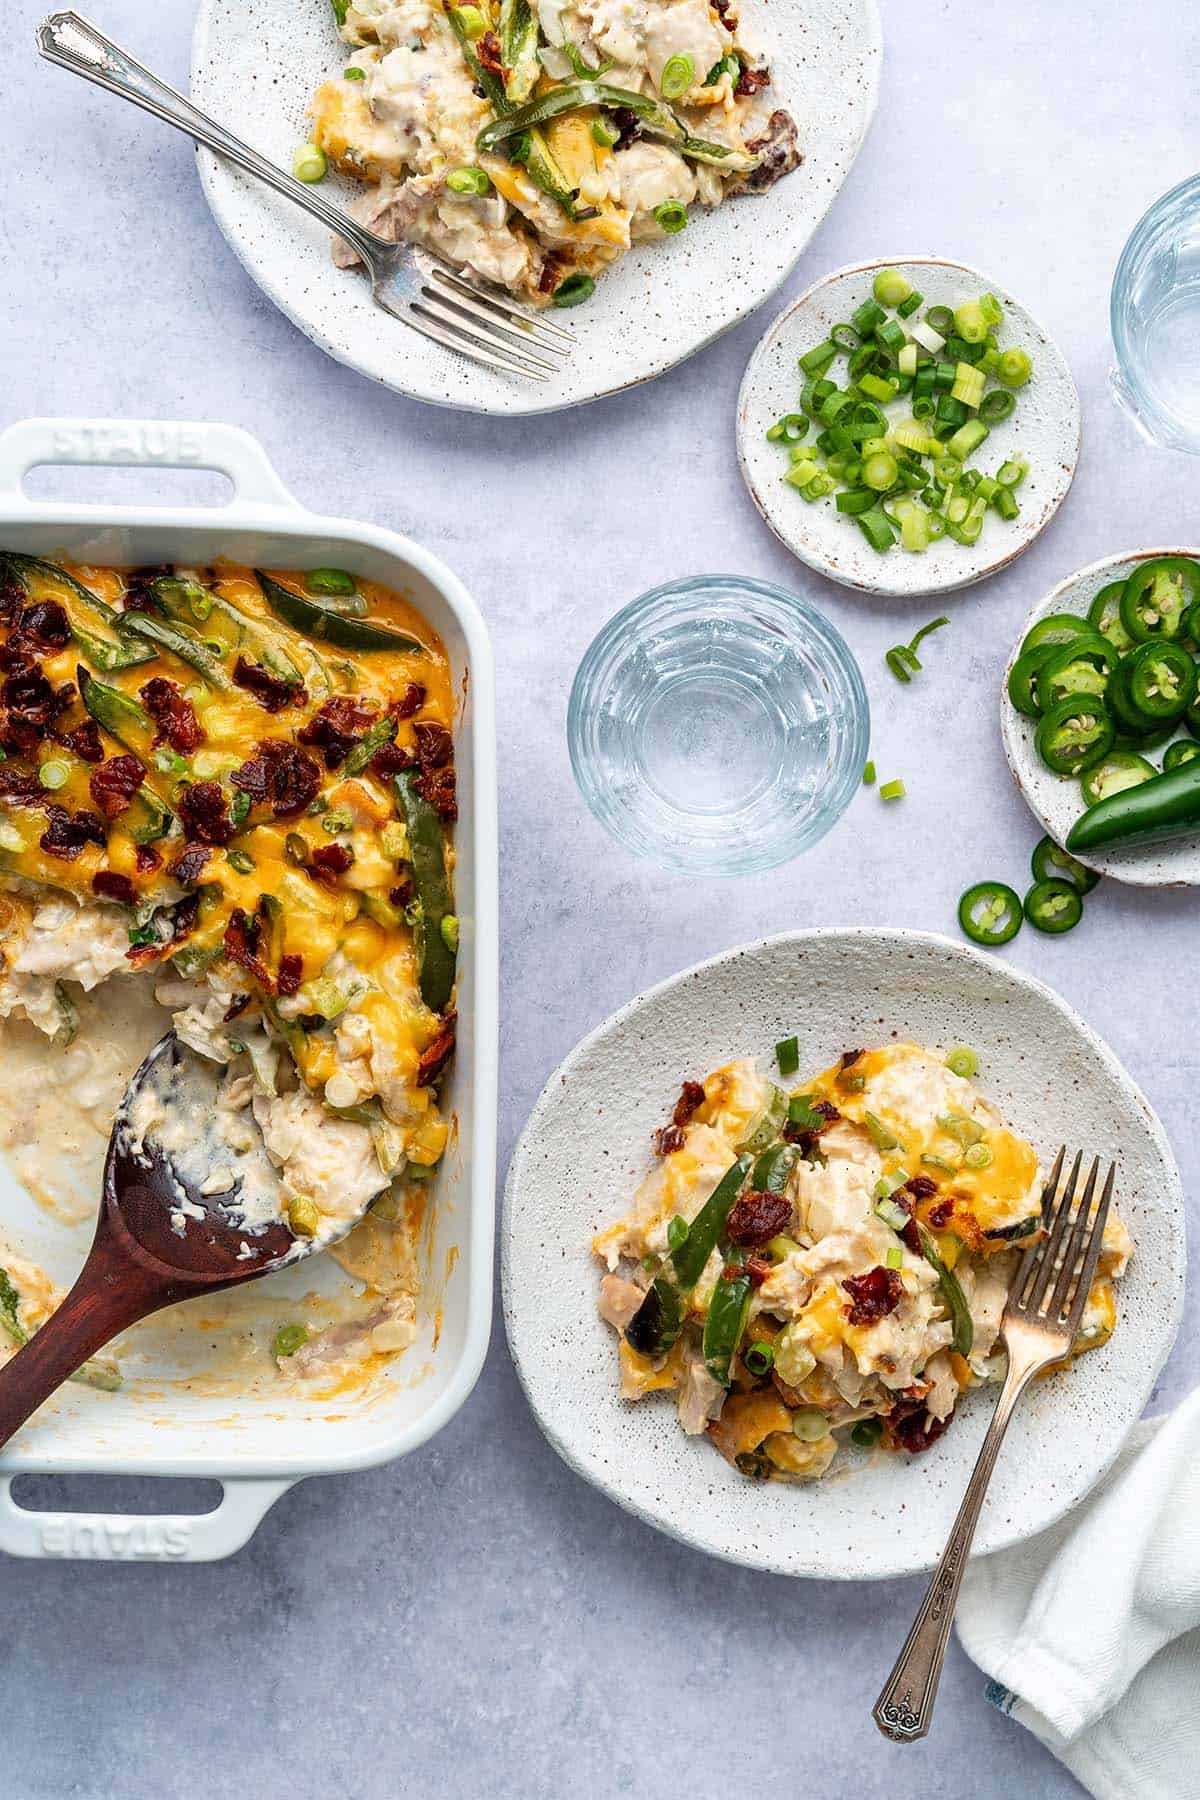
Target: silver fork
{"type": "Point", "coordinates": [435, 300]}
{"type": "Point", "coordinates": [1040, 1323]}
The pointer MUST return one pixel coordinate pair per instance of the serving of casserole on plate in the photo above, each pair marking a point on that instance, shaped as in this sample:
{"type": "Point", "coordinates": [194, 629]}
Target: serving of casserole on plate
{"type": "Point", "coordinates": [247, 788]}
{"type": "Point", "coordinates": [865, 1322]}
{"type": "Point", "coordinates": [410, 126]}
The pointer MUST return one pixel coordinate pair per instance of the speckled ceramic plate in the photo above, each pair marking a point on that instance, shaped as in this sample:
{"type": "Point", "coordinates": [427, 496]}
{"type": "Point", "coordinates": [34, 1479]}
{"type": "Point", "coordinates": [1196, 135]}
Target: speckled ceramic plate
{"type": "Point", "coordinates": [587, 1145]}
{"type": "Point", "coordinates": [1056, 799]}
{"type": "Point", "coordinates": [1045, 425]}
{"type": "Point", "coordinates": [255, 65]}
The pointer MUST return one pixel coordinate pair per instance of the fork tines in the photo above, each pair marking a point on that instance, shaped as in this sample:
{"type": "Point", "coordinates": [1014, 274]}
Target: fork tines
{"type": "Point", "coordinates": [483, 326]}
{"type": "Point", "coordinates": [1067, 1254]}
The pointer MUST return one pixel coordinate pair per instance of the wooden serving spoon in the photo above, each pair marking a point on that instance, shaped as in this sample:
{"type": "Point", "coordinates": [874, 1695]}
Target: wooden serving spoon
{"type": "Point", "coordinates": [158, 1240]}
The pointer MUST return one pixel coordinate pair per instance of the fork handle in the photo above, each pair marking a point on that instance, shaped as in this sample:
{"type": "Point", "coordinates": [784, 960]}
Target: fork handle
{"type": "Point", "coordinates": [74, 43]}
{"type": "Point", "coordinates": [904, 1709]}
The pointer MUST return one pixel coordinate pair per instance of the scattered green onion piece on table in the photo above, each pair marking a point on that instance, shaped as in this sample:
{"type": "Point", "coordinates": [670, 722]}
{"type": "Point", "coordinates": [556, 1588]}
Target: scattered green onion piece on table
{"type": "Point", "coordinates": [868, 774]}
{"type": "Point", "coordinates": [892, 790]}
{"type": "Point", "coordinates": [309, 163]}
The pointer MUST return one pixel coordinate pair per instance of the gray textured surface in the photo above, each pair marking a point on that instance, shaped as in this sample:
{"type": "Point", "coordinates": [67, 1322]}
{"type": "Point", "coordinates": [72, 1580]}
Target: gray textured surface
{"type": "Point", "coordinates": [476, 1621]}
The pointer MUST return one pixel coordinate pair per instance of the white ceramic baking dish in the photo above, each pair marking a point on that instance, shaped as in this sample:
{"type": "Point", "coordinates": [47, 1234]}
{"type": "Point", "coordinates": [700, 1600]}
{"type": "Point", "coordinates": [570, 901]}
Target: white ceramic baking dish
{"type": "Point", "coordinates": [258, 1447]}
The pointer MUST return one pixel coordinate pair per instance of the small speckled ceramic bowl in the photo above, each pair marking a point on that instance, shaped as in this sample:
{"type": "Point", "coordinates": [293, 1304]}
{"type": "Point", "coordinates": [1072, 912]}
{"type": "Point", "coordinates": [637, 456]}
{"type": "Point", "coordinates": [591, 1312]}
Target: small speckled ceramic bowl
{"type": "Point", "coordinates": [1045, 426]}
{"type": "Point", "coordinates": [587, 1145]}
{"type": "Point", "coordinates": [1056, 799]}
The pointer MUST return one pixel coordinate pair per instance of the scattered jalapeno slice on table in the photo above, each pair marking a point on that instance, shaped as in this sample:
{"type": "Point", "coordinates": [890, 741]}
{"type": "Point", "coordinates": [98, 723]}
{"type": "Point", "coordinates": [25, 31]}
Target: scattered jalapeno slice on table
{"type": "Point", "coordinates": [1182, 752]}
{"type": "Point", "coordinates": [990, 913]}
{"type": "Point", "coordinates": [1161, 680]}
{"type": "Point", "coordinates": [1050, 862]}
{"type": "Point", "coordinates": [1073, 735]}
{"type": "Point", "coordinates": [1157, 595]}
{"type": "Point", "coordinates": [1104, 614]}
{"type": "Point", "coordinates": [1053, 906]}
{"type": "Point", "coordinates": [1119, 770]}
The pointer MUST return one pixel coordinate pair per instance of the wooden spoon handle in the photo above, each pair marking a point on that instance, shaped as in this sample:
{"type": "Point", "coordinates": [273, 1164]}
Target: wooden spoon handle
{"type": "Point", "coordinates": [112, 1292]}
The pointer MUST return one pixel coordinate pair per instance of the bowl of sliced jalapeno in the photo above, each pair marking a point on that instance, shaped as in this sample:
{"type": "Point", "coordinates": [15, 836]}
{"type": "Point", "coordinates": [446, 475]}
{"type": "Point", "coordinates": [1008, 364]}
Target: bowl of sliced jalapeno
{"type": "Point", "coordinates": [1101, 718]}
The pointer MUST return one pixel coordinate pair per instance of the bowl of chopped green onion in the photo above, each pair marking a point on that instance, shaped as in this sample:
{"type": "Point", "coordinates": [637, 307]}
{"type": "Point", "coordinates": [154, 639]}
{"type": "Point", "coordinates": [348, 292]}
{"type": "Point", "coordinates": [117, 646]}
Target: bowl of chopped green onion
{"type": "Point", "coordinates": [907, 427]}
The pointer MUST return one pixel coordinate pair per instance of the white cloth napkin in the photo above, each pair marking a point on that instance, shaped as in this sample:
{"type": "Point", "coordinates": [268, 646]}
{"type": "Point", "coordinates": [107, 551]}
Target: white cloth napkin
{"type": "Point", "coordinates": [1091, 1632]}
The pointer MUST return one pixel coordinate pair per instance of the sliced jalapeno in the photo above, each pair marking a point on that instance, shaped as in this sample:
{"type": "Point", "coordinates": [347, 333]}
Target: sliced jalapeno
{"type": "Point", "coordinates": [990, 913]}
{"type": "Point", "coordinates": [1157, 595]}
{"type": "Point", "coordinates": [1055, 628]}
{"type": "Point", "coordinates": [1119, 770]}
{"type": "Point", "coordinates": [1073, 735]}
{"type": "Point", "coordinates": [1022, 678]}
{"type": "Point", "coordinates": [324, 619]}
{"type": "Point", "coordinates": [1182, 752]}
{"type": "Point", "coordinates": [1050, 862]}
{"type": "Point", "coordinates": [1105, 615]}
{"type": "Point", "coordinates": [1053, 906]}
{"type": "Point", "coordinates": [1081, 667]}
{"type": "Point", "coordinates": [1161, 680]}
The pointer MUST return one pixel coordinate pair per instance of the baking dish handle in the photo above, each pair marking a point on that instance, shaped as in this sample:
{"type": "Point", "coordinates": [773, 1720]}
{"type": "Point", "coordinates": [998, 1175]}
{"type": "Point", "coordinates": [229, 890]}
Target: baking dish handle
{"type": "Point", "coordinates": [139, 1537]}
{"type": "Point", "coordinates": [142, 443]}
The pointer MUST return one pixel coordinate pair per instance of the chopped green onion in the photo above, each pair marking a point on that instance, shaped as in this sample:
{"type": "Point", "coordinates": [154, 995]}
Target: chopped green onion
{"type": "Point", "coordinates": [967, 439]}
{"type": "Point", "coordinates": [941, 319]}
{"type": "Point", "coordinates": [892, 1213]}
{"type": "Point", "coordinates": [991, 309]}
{"type": "Point", "coordinates": [604, 134]}
{"type": "Point", "coordinates": [787, 1055]}
{"type": "Point", "coordinates": [1014, 368]}
{"type": "Point", "coordinates": [471, 21]}
{"type": "Point", "coordinates": [54, 773]}
{"type": "Point", "coordinates": [449, 931]}
{"type": "Point", "coordinates": [978, 1156]}
{"type": "Point", "coordinates": [879, 471]}
{"type": "Point", "coordinates": [906, 308]}
{"type": "Point", "coordinates": [677, 1231]}
{"type": "Point", "coordinates": [802, 1115]}
{"type": "Point", "coordinates": [866, 317]}
{"type": "Point", "coordinates": [574, 290]}
{"type": "Point", "coordinates": [1005, 503]}
{"type": "Point", "coordinates": [810, 1424]}
{"type": "Point", "coordinates": [353, 74]}
{"type": "Point", "coordinates": [469, 179]}
{"type": "Point", "coordinates": [243, 863]}
{"type": "Point", "coordinates": [309, 164]}
{"type": "Point", "coordinates": [968, 385]}
{"type": "Point", "coordinates": [1012, 474]}
{"type": "Point", "coordinates": [895, 1258]}
{"type": "Point", "coordinates": [996, 406]}
{"type": "Point", "coordinates": [679, 73]}
{"type": "Point", "coordinates": [963, 1061]}
{"type": "Point", "coordinates": [671, 215]}
{"type": "Point", "coordinates": [890, 287]}
{"type": "Point", "coordinates": [845, 337]}
{"type": "Point", "coordinates": [759, 1357]}
{"type": "Point", "coordinates": [970, 323]}
{"type": "Point", "coordinates": [879, 1134]}
{"type": "Point", "coordinates": [289, 1339]}
{"type": "Point", "coordinates": [877, 529]}
{"type": "Point", "coordinates": [869, 774]}
{"type": "Point", "coordinates": [879, 388]}
{"type": "Point", "coordinates": [892, 790]}
{"type": "Point", "coordinates": [818, 359]}
{"type": "Point", "coordinates": [329, 581]}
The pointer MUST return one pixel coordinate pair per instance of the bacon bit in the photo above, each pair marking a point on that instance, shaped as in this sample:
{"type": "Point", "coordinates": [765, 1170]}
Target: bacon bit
{"type": "Point", "coordinates": [668, 1138]}
{"type": "Point", "coordinates": [12, 598]}
{"type": "Point", "coordinates": [402, 893]}
{"type": "Point", "coordinates": [111, 886]}
{"type": "Point", "coordinates": [83, 741]}
{"type": "Point", "coordinates": [44, 626]}
{"type": "Point", "coordinates": [548, 278]}
{"type": "Point", "coordinates": [281, 774]}
{"type": "Point", "coordinates": [921, 1187]}
{"type": "Point", "coordinates": [873, 1295]}
{"type": "Point", "coordinates": [336, 727]}
{"type": "Point", "coordinates": [189, 864]}
{"type": "Point", "coordinates": [757, 1268]}
{"type": "Point", "coordinates": [391, 759]}
{"type": "Point", "coordinates": [438, 786]}
{"type": "Point", "coordinates": [750, 80]}
{"type": "Point", "coordinates": [183, 922]}
{"type": "Point", "coordinates": [691, 1097]}
{"type": "Point", "coordinates": [202, 809]}
{"type": "Point", "coordinates": [114, 784]}
{"type": "Point", "coordinates": [848, 1059]}
{"type": "Point", "coordinates": [724, 11]}
{"type": "Point", "coordinates": [138, 596]}
{"type": "Point", "coordinates": [174, 715]}
{"type": "Point", "coordinates": [30, 707]}
{"type": "Point", "coordinates": [411, 701]}
{"type": "Point", "coordinates": [147, 859]}
{"type": "Point", "coordinates": [291, 971]}
{"type": "Point", "coordinates": [487, 52]}
{"type": "Point", "coordinates": [236, 1008]}
{"type": "Point", "coordinates": [940, 1214]}
{"type": "Point", "coordinates": [327, 863]}
{"type": "Point", "coordinates": [436, 1055]}
{"type": "Point", "coordinates": [272, 692]}
{"type": "Point", "coordinates": [435, 746]}
{"type": "Point", "coordinates": [240, 944]}
{"type": "Point", "coordinates": [909, 1426]}
{"type": "Point", "coordinates": [757, 1217]}
{"type": "Point", "coordinates": [21, 788]}
{"type": "Point", "coordinates": [65, 837]}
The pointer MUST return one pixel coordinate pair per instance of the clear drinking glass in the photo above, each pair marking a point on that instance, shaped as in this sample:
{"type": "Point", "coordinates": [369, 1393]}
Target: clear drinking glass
{"type": "Point", "coordinates": [718, 725]}
{"type": "Point", "coordinates": [1155, 314]}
